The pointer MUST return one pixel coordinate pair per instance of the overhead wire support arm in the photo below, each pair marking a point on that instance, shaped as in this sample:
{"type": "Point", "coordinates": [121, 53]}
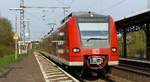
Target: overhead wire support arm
{"type": "Point", "coordinates": [46, 7]}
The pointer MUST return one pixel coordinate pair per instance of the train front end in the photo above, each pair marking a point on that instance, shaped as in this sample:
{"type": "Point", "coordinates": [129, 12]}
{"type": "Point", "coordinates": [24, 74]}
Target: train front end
{"type": "Point", "coordinates": [94, 41]}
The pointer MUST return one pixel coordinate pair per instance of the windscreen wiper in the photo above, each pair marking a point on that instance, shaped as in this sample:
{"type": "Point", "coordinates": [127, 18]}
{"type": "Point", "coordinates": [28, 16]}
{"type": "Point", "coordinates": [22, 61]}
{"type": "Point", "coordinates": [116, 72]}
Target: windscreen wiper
{"type": "Point", "coordinates": [96, 39]}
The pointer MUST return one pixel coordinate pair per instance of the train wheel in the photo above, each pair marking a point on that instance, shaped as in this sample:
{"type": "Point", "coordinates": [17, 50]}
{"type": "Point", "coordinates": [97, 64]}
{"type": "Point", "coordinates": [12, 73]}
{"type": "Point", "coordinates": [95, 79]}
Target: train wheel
{"type": "Point", "coordinates": [85, 72]}
{"type": "Point", "coordinates": [103, 73]}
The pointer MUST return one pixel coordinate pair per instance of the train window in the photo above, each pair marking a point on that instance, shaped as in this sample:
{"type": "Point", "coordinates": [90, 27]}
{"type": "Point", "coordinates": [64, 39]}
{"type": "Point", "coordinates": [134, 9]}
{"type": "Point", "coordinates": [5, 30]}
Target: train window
{"type": "Point", "coordinates": [61, 34]}
{"type": "Point", "coordinates": [93, 19]}
{"type": "Point", "coordinates": [97, 30]}
{"type": "Point", "coordinates": [93, 26]}
{"type": "Point", "coordinates": [94, 35]}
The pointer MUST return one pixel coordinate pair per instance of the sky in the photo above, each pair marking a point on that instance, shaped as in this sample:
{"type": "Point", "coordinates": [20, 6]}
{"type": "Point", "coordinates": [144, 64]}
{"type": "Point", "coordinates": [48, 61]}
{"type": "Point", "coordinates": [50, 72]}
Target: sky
{"type": "Point", "coordinates": [40, 18]}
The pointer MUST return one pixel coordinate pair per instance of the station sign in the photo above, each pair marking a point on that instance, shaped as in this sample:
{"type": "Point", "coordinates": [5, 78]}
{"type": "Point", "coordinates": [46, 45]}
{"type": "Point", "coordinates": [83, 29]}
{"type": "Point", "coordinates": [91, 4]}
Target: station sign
{"type": "Point", "coordinates": [16, 36]}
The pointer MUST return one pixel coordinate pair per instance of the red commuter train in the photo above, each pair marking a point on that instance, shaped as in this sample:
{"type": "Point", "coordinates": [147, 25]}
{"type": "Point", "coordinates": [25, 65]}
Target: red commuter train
{"type": "Point", "coordinates": [87, 40]}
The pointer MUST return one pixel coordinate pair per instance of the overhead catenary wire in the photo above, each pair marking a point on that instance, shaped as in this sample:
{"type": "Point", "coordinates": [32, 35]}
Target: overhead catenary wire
{"type": "Point", "coordinates": [60, 2]}
{"type": "Point", "coordinates": [64, 3]}
{"type": "Point", "coordinates": [114, 5]}
{"type": "Point", "coordinates": [36, 17]}
{"type": "Point", "coordinates": [39, 19]}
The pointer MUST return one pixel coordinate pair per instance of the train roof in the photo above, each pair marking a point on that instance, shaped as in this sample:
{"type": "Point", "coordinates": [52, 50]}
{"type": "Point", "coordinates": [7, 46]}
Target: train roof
{"type": "Point", "coordinates": [83, 14]}
{"type": "Point", "coordinates": [86, 14]}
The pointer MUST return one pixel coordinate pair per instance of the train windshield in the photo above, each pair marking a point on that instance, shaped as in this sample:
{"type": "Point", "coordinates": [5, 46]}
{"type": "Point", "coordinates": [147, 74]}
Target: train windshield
{"type": "Point", "coordinates": [94, 35]}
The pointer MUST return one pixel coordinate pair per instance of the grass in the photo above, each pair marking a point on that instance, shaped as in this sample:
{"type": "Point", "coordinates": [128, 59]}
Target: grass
{"type": "Point", "coordinates": [8, 59]}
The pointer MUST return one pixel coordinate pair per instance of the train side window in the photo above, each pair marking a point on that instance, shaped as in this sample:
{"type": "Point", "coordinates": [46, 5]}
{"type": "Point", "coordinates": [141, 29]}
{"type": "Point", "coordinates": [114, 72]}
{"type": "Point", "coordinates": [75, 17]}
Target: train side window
{"type": "Point", "coordinates": [61, 35]}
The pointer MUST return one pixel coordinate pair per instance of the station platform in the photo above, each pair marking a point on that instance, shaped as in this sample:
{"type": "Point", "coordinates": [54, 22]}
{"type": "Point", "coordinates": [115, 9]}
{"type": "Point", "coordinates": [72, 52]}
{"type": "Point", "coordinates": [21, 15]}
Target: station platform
{"type": "Point", "coordinates": [136, 60]}
{"type": "Point", "coordinates": [136, 63]}
{"type": "Point", "coordinates": [25, 70]}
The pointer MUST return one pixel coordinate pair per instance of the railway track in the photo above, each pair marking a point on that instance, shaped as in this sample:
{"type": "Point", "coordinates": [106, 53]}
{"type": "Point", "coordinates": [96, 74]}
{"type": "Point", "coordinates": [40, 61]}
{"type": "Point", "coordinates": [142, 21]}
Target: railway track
{"type": "Point", "coordinates": [140, 64]}
{"type": "Point", "coordinates": [137, 66]}
{"type": "Point", "coordinates": [134, 70]}
{"type": "Point", "coordinates": [111, 78]}
{"type": "Point", "coordinates": [52, 72]}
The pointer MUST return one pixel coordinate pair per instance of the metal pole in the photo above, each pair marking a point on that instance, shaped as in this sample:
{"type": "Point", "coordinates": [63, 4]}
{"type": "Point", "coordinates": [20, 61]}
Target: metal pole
{"type": "Point", "coordinates": [16, 49]}
{"type": "Point", "coordinates": [64, 12]}
{"type": "Point", "coordinates": [28, 35]}
{"type": "Point", "coordinates": [148, 4]}
{"type": "Point", "coordinates": [28, 30]}
{"type": "Point", "coordinates": [16, 42]}
{"type": "Point", "coordinates": [125, 44]}
{"type": "Point", "coordinates": [147, 31]}
{"type": "Point", "coordinates": [16, 23]}
{"type": "Point", "coordinates": [22, 25]}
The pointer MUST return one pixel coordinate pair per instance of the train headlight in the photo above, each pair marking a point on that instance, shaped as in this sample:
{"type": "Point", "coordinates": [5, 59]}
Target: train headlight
{"type": "Point", "coordinates": [113, 49]}
{"type": "Point", "coordinates": [76, 50]}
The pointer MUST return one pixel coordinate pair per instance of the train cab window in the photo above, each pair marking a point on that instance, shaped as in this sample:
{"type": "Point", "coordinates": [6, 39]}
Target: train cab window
{"type": "Point", "coordinates": [94, 35]}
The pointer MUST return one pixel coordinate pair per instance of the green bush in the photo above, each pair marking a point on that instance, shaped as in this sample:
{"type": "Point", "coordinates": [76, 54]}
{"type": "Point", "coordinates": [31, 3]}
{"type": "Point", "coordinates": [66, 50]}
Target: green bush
{"type": "Point", "coordinates": [5, 50]}
{"type": "Point", "coordinates": [7, 43]}
{"type": "Point", "coordinates": [8, 59]}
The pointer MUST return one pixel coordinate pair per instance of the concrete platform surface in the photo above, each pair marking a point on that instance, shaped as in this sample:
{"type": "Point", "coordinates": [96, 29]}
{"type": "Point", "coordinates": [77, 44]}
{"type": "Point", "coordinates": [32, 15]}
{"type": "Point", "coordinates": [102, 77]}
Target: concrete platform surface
{"type": "Point", "coordinates": [25, 70]}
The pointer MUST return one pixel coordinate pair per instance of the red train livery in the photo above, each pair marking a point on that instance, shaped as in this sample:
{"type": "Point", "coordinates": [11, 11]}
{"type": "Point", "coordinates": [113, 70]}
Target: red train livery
{"type": "Point", "coordinates": [85, 39]}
